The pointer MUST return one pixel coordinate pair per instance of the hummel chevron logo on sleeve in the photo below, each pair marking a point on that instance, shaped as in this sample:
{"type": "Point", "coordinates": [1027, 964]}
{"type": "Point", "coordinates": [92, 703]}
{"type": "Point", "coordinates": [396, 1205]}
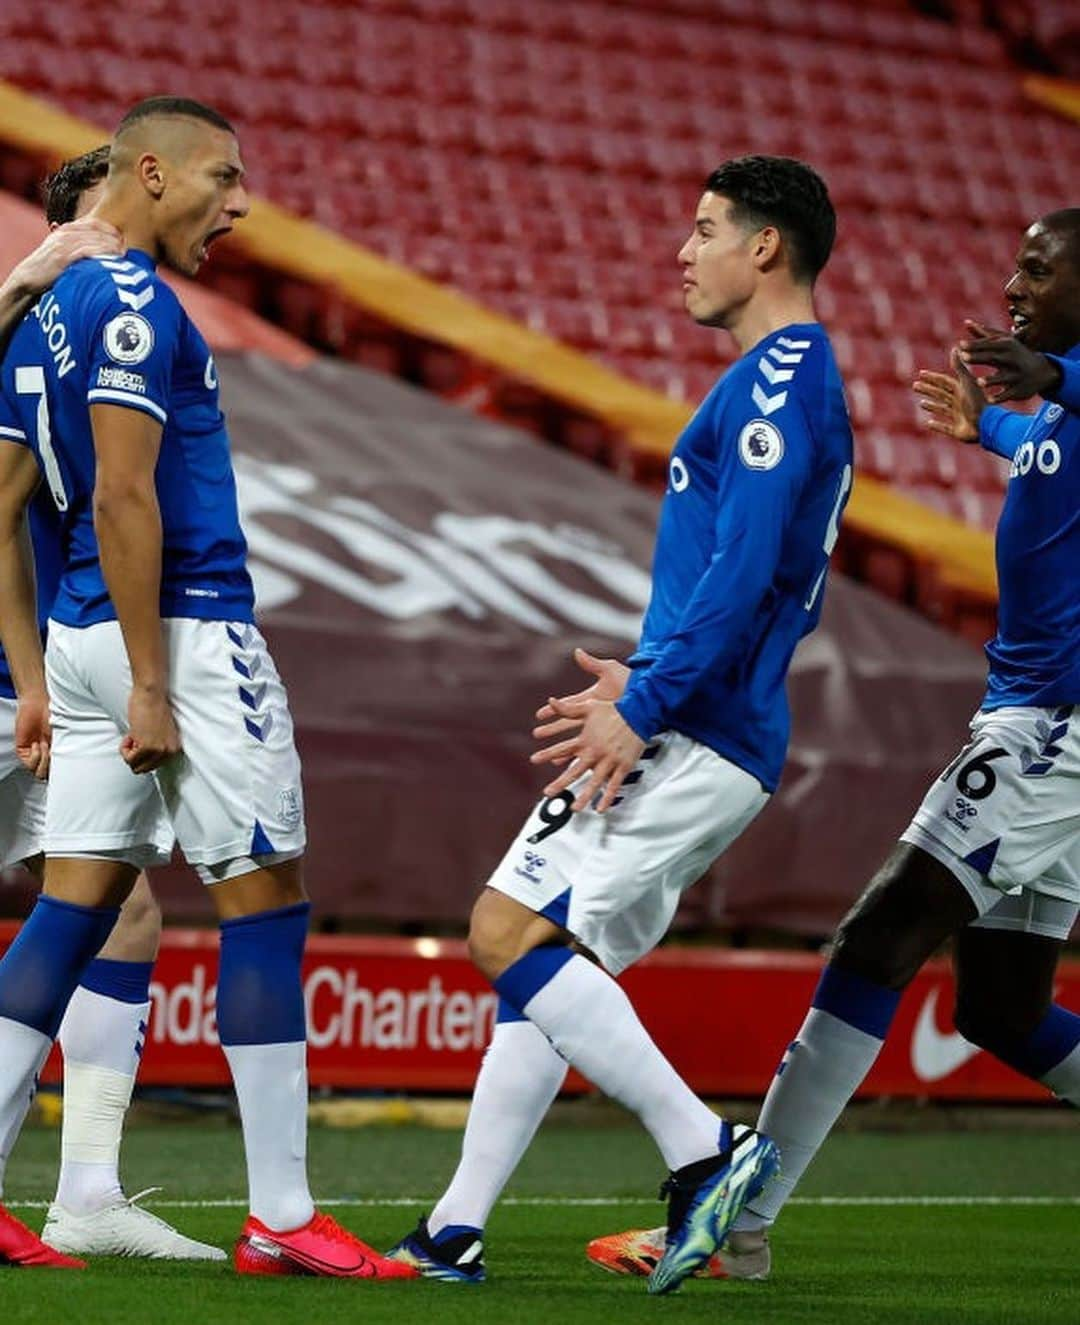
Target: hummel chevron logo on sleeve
{"type": "Point", "coordinates": [136, 301]}
{"type": "Point", "coordinates": [773, 375]}
{"type": "Point", "coordinates": [135, 278]}
{"type": "Point", "coordinates": [786, 353]}
{"type": "Point", "coordinates": [767, 404]}
{"type": "Point", "coordinates": [127, 273]}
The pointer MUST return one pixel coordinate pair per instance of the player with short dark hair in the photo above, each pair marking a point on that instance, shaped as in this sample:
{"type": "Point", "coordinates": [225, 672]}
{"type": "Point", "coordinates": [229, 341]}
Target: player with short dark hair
{"type": "Point", "coordinates": [173, 108]}
{"type": "Point", "coordinates": [155, 667]}
{"type": "Point", "coordinates": [992, 856]}
{"type": "Point", "coordinates": [71, 189]}
{"type": "Point", "coordinates": [668, 759]}
{"type": "Point", "coordinates": [780, 191]}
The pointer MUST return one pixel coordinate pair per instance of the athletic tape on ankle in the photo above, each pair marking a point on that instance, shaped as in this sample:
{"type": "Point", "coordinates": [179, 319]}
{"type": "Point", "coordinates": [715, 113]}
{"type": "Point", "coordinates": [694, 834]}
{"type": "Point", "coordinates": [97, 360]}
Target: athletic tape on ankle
{"type": "Point", "coordinates": [95, 1102]}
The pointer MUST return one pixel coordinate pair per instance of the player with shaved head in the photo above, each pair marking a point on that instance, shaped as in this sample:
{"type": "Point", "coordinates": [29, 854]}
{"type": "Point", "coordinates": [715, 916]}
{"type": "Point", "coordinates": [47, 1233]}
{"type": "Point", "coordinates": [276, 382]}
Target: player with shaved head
{"type": "Point", "coordinates": [168, 715]}
{"type": "Point", "coordinates": [103, 1030]}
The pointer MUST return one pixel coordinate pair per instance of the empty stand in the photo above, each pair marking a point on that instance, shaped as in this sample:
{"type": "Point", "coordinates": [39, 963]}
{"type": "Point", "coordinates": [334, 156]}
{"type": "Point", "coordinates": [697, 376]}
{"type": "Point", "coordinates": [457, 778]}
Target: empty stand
{"type": "Point", "coordinates": [545, 159]}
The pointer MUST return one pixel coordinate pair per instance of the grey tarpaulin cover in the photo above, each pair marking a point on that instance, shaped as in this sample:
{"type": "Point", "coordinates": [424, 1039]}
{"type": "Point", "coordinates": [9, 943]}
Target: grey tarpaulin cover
{"type": "Point", "coordinates": [423, 576]}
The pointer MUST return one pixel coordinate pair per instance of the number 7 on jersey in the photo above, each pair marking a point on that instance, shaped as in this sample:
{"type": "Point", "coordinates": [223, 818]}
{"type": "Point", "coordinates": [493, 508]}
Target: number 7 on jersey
{"type": "Point", "coordinates": [30, 381]}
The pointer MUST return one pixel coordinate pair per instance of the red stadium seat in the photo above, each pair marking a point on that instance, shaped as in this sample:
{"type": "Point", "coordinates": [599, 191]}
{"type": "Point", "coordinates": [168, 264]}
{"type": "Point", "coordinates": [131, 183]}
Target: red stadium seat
{"type": "Point", "coordinates": [546, 158]}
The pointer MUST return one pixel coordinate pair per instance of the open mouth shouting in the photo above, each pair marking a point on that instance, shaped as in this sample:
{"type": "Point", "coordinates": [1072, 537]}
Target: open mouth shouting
{"type": "Point", "coordinates": [218, 233]}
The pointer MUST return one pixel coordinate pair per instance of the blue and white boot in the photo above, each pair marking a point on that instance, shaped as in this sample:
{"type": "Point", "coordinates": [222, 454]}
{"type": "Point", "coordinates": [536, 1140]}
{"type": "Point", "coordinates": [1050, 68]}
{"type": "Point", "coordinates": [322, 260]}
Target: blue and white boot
{"type": "Point", "coordinates": [456, 1256]}
{"type": "Point", "coordinates": [705, 1198]}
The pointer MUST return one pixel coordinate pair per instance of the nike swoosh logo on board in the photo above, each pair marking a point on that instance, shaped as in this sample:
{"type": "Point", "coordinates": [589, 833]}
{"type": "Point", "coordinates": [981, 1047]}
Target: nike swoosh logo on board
{"type": "Point", "coordinates": [936, 1054]}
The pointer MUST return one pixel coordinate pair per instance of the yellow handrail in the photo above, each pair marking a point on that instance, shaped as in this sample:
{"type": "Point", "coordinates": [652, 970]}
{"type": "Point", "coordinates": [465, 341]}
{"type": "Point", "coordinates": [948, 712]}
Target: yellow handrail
{"type": "Point", "coordinates": [648, 419]}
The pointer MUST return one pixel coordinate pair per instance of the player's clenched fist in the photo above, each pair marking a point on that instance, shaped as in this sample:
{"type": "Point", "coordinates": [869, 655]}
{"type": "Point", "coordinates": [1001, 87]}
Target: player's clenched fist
{"type": "Point", "coordinates": [152, 733]}
{"type": "Point", "coordinates": [33, 735]}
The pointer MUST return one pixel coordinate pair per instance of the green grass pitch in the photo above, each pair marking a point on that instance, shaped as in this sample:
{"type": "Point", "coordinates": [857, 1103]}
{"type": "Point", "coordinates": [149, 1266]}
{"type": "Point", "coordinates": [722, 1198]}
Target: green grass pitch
{"type": "Point", "coordinates": [836, 1259]}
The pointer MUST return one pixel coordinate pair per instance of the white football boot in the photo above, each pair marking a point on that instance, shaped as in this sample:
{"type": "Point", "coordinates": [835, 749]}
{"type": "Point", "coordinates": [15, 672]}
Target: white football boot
{"type": "Point", "coordinates": [123, 1229]}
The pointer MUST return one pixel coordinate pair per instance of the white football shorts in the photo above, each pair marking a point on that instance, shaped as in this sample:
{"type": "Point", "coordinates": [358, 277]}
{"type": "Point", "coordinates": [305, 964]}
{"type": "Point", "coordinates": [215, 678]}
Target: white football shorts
{"type": "Point", "coordinates": [233, 795]}
{"type": "Point", "coordinates": [1004, 817]}
{"type": "Point", "coordinates": [614, 880]}
{"type": "Point", "coordinates": [22, 797]}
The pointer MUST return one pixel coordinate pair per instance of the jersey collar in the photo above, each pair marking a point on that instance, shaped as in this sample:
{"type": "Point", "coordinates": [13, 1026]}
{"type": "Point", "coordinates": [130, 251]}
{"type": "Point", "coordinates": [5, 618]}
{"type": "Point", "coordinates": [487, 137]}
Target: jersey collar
{"type": "Point", "coordinates": [141, 259]}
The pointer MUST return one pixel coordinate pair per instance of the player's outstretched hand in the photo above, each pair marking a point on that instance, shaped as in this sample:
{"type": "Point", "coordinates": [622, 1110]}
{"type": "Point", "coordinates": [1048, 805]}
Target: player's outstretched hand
{"type": "Point", "coordinates": [951, 402]}
{"type": "Point", "coordinates": [33, 734]}
{"type": "Point", "coordinates": [611, 676]}
{"type": "Point", "coordinates": [152, 733]}
{"type": "Point", "coordinates": [1018, 373]}
{"type": "Point", "coordinates": [86, 238]}
{"type": "Point", "coordinates": [606, 748]}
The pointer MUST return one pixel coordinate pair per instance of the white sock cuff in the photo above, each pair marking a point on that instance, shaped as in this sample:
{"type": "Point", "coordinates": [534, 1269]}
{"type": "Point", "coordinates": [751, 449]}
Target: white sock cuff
{"type": "Point", "coordinates": [102, 1030]}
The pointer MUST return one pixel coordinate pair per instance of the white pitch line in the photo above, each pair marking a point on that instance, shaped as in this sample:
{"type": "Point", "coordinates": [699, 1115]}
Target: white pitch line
{"type": "Point", "coordinates": [237, 1203]}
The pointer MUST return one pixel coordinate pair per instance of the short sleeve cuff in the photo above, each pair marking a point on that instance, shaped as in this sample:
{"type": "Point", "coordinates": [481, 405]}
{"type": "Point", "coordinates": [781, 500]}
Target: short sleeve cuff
{"type": "Point", "coordinates": [107, 396]}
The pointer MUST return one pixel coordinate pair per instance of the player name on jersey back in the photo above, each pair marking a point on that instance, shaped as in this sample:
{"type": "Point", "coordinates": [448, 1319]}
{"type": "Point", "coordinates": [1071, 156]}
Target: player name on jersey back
{"type": "Point", "coordinates": [50, 317]}
{"type": "Point", "coordinates": [111, 333]}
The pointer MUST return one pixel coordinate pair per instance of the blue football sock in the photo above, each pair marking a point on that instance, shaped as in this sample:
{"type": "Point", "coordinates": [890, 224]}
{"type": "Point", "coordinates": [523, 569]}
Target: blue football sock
{"type": "Point", "coordinates": [1047, 1046]}
{"type": "Point", "coordinates": [263, 1031]}
{"type": "Point", "coordinates": [52, 950]}
{"type": "Point", "coordinates": [867, 1006]}
{"type": "Point", "coordinates": [37, 976]}
{"type": "Point", "coordinates": [127, 982]}
{"type": "Point", "coordinates": [260, 999]}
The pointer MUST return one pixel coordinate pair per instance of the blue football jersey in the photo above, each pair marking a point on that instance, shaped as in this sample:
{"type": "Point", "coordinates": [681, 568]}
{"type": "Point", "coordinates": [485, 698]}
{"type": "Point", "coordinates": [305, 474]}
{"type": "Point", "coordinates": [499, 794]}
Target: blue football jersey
{"type": "Point", "coordinates": [111, 331]}
{"type": "Point", "coordinates": [1035, 655]}
{"type": "Point", "coordinates": [757, 483]}
{"type": "Point", "coordinates": [44, 521]}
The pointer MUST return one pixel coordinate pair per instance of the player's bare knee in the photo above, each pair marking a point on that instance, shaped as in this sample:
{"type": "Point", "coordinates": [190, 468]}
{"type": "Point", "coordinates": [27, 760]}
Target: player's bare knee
{"type": "Point", "coordinates": [863, 949]}
{"type": "Point", "coordinates": [501, 931]}
{"type": "Point", "coordinates": [88, 882]}
{"type": "Point", "coordinates": [141, 913]}
{"type": "Point", "coordinates": [910, 907]}
{"type": "Point", "coordinates": [495, 931]}
{"type": "Point", "coordinates": [254, 887]}
{"type": "Point", "coordinates": [867, 946]}
{"type": "Point", "coordinates": [137, 933]}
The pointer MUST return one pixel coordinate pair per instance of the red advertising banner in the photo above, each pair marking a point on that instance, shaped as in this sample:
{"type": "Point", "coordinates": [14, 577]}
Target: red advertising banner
{"type": "Point", "coordinates": [413, 1014]}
